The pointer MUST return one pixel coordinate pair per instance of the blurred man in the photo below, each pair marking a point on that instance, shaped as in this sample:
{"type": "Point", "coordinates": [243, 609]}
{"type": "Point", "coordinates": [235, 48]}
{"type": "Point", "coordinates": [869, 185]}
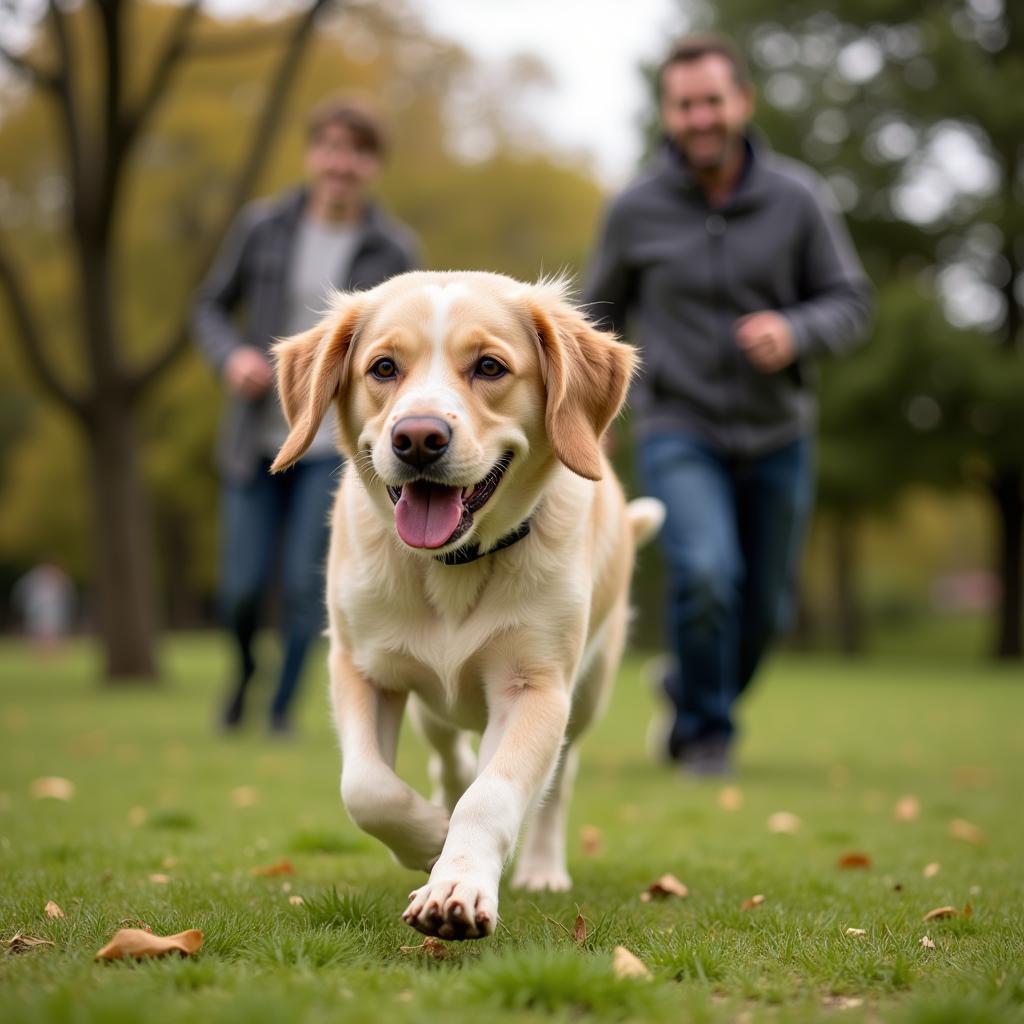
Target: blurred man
{"type": "Point", "coordinates": [732, 271]}
{"type": "Point", "coordinates": [277, 266]}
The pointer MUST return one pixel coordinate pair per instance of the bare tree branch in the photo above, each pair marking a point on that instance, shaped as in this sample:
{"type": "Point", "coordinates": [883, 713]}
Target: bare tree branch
{"type": "Point", "coordinates": [174, 48]}
{"type": "Point", "coordinates": [259, 146]}
{"type": "Point", "coordinates": [30, 337]}
{"type": "Point", "coordinates": [65, 93]}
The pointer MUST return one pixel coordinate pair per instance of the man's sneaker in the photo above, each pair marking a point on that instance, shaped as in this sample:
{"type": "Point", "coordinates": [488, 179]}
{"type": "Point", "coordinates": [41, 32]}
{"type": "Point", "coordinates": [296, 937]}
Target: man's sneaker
{"type": "Point", "coordinates": [708, 758]}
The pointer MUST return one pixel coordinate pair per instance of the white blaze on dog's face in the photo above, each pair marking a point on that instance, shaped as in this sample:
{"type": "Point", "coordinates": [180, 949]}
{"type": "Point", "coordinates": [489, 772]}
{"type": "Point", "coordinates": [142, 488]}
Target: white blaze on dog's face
{"type": "Point", "coordinates": [449, 387]}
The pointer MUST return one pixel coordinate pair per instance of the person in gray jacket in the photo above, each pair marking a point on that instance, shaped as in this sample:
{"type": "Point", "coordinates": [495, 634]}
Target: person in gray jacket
{"type": "Point", "coordinates": [276, 268]}
{"type": "Point", "coordinates": [728, 265]}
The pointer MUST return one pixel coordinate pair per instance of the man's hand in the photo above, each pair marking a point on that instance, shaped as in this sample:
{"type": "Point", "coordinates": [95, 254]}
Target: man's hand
{"type": "Point", "coordinates": [248, 372]}
{"type": "Point", "coordinates": [766, 340]}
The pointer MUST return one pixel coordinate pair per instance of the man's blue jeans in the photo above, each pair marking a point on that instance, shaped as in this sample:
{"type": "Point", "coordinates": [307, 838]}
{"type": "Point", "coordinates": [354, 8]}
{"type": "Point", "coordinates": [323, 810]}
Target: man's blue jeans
{"type": "Point", "coordinates": [287, 513]}
{"type": "Point", "coordinates": [732, 540]}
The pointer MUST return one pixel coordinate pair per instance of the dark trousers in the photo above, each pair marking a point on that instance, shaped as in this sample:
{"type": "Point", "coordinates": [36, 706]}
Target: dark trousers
{"type": "Point", "coordinates": [732, 540]}
{"type": "Point", "coordinates": [286, 513]}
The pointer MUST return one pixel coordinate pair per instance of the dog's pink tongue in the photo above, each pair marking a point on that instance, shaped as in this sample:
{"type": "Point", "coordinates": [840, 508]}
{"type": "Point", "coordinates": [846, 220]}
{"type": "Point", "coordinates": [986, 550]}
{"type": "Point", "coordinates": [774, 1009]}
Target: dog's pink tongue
{"type": "Point", "coordinates": [427, 514]}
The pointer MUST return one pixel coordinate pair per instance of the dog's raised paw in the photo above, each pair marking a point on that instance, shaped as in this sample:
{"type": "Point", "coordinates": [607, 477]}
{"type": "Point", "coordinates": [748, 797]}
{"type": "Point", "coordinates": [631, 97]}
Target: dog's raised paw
{"type": "Point", "coordinates": [452, 910]}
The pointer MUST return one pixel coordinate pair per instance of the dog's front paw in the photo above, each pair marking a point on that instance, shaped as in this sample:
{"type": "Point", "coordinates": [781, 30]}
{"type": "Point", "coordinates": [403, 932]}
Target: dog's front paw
{"type": "Point", "coordinates": [453, 910]}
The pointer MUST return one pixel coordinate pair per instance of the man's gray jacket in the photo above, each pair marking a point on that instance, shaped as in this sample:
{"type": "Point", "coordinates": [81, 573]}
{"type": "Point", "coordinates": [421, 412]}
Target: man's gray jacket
{"type": "Point", "coordinates": [679, 274]}
{"type": "Point", "coordinates": [250, 275]}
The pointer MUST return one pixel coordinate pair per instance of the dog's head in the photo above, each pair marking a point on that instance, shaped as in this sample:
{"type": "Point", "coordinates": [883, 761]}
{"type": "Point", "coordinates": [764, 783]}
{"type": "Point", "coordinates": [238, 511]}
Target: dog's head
{"type": "Point", "coordinates": [455, 393]}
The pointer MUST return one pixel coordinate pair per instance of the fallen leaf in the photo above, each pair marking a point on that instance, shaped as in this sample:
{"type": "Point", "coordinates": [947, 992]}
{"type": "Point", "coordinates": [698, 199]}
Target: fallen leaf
{"type": "Point", "coordinates": [754, 901]}
{"type": "Point", "coordinates": [628, 965]}
{"type": "Point", "coordinates": [23, 943]}
{"type": "Point", "coordinates": [579, 932]}
{"type": "Point", "coordinates": [730, 798]}
{"type": "Point", "coordinates": [296, 901]}
{"type": "Point", "coordinates": [926, 942]}
{"type": "Point", "coordinates": [159, 879]}
{"type": "Point", "coordinates": [784, 823]}
{"type": "Point", "coordinates": [931, 870]}
{"type": "Point", "coordinates": [245, 796]}
{"type": "Point", "coordinates": [667, 885]}
{"type": "Point", "coordinates": [53, 910]}
{"type": "Point", "coordinates": [135, 942]}
{"type": "Point", "coordinates": [907, 808]}
{"type": "Point", "coordinates": [856, 932]}
{"type": "Point", "coordinates": [52, 787]}
{"type": "Point", "coordinates": [430, 946]}
{"type": "Point", "coordinates": [939, 913]}
{"type": "Point", "coordinates": [591, 840]}
{"type": "Point", "coordinates": [854, 860]}
{"type": "Point", "coordinates": [968, 910]}
{"type": "Point", "coordinates": [960, 829]}
{"type": "Point", "coordinates": [281, 867]}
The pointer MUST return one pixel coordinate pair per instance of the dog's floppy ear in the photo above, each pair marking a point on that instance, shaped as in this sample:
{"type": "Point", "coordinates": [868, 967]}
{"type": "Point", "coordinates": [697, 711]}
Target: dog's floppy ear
{"type": "Point", "coordinates": [310, 370]}
{"type": "Point", "coordinates": [587, 374]}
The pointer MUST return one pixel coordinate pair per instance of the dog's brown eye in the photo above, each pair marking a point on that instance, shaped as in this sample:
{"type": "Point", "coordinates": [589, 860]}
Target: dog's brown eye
{"type": "Point", "coordinates": [491, 368]}
{"type": "Point", "coordinates": [384, 369]}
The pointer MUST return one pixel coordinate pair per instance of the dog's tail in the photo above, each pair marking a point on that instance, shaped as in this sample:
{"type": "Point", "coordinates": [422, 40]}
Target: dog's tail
{"type": "Point", "coordinates": [645, 518]}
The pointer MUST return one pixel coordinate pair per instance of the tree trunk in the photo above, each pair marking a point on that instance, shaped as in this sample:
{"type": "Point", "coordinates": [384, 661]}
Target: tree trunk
{"type": "Point", "coordinates": [849, 620]}
{"type": "Point", "coordinates": [1008, 493]}
{"type": "Point", "coordinates": [124, 550]}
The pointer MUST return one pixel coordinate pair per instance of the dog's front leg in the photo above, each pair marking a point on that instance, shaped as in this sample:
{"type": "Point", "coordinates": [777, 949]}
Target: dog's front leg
{"type": "Point", "coordinates": [518, 752]}
{"type": "Point", "coordinates": [377, 800]}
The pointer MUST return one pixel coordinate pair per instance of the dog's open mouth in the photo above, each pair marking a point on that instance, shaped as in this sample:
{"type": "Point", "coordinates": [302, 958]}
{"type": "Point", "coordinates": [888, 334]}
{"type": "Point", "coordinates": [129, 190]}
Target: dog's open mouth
{"type": "Point", "coordinates": [431, 515]}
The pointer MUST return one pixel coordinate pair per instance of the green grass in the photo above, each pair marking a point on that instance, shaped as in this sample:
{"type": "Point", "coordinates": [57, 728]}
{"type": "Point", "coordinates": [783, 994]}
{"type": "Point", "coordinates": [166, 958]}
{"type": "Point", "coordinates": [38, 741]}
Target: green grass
{"type": "Point", "coordinates": [836, 744]}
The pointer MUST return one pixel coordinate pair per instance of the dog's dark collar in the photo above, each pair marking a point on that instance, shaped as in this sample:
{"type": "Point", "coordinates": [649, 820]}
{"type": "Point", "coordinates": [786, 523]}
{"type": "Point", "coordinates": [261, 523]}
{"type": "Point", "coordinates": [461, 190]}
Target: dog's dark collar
{"type": "Point", "coordinates": [471, 552]}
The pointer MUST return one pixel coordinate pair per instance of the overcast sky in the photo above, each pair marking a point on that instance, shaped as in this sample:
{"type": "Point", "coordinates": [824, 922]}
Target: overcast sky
{"type": "Point", "coordinates": [593, 49]}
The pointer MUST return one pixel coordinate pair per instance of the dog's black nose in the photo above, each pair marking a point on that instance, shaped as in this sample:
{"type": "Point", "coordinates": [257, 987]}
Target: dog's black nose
{"type": "Point", "coordinates": [420, 440]}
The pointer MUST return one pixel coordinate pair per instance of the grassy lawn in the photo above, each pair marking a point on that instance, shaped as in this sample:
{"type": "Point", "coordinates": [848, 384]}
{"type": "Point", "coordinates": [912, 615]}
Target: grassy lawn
{"type": "Point", "coordinates": [157, 792]}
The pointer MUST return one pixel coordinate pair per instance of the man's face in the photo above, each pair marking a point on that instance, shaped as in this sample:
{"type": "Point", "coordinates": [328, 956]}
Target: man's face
{"type": "Point", "coordinates": [339, 170]}
{"type": "Point", "coordinates": [704, 111]}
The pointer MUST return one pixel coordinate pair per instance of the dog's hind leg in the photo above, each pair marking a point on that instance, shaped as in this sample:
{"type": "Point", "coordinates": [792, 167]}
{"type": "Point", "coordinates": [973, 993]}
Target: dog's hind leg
{"type": "Point", "coordinates": [542, 859]}
{"type": "Point", "coordinates": [541, 864]}
{"type": "Point", "coordinates": [453, 761]}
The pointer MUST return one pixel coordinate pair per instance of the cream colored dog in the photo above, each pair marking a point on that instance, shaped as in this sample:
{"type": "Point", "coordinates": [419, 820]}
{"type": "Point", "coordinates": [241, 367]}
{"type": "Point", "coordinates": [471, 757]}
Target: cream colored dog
{"type": "Point", "coordinates": [480, 559]}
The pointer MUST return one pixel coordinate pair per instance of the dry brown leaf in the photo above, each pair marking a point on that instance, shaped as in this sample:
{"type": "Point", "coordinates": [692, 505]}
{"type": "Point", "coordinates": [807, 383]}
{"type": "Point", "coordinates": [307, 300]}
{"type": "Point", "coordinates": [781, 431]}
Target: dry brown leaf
{"type": "Point", "coordinates": [23, 943]}
{"type": "Point", "coordinates": [968, 910]}
{"type": "Point", "coordinates": [245, 796]}
{"type": "Point", "coordinates": [591, 840]}
{"type": "Point", "coordinates": [281, 867]}
{"type": "Point", "coordinates": [53, 909]}
{"type": "Point", "coordinates": [907, 808]}
{"type": "Point", "coordinates": [135, 942]}
{"type": "Point", "coordinates": [296, 901]}
{"type": "Point", "coordinates": [579, 932]}
{"type": "Point", "coordinates": [784, 823]}
{"type": "Point", "coordinates": [730, 798]}
{"type": "Point", "coordinates": [754, 901]}
{"type": "Point", "coordinates": [430, 946]}
{"type": "Point", "coordinates": [52, 787]}
{"type": "Point", "coordinates": [667, 885]}
{"type": "Point", "coordinates": [856, 932]}
{"type": "Point", "coordinates": [960, 829]}
{"type": "Point", "coordinates": [939, 913]}
{"type": "Point", "coordinates": [159, 879]}
{"type": "Point", "coordinates": [926, 942]}
{"type": "Point", "coordinates": [854, 860]}
{"type": "Point", "coordinates": [628, 965]}
{"type": "Point", "coordinates": [931, 870]}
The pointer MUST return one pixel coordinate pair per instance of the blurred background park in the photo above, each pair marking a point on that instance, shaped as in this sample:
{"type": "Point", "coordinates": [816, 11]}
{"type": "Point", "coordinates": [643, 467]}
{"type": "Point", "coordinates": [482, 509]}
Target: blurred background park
{"type": "Point", "coordinates": [131, 132]}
